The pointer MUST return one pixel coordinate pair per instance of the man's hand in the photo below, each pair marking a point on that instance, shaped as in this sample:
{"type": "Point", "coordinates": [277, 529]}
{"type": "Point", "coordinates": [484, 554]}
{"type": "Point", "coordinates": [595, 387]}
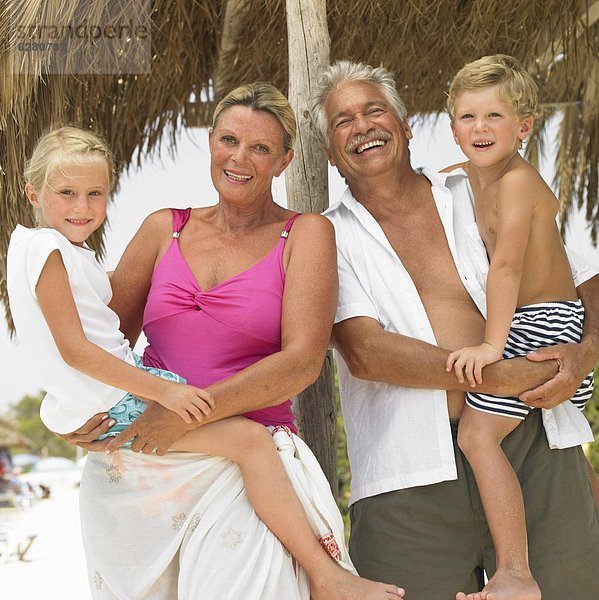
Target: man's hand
{"type": "Point", "coordinates": [154, 431]}
{"type": "Point", "coordinates": [86, 435]}
{"type": "Point", "coordinates": [575, 363]}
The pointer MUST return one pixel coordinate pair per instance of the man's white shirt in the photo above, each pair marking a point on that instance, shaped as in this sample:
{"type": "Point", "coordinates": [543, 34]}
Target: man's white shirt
{"type": "Point", "coordinates": [400, 437]}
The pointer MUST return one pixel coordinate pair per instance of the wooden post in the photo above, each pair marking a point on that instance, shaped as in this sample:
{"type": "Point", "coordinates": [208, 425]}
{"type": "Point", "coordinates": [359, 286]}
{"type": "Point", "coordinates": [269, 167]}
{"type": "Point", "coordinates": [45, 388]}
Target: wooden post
{"type": "Point", "coordinates": [307, 191]}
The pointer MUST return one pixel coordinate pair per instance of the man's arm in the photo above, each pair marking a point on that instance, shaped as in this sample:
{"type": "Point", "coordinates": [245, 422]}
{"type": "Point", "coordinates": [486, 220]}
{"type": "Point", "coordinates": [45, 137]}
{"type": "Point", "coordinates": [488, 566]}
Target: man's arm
{"type": "Point", "coordinates": [575, 361]}
{"type": "Point", "coordinates": [374, 354]}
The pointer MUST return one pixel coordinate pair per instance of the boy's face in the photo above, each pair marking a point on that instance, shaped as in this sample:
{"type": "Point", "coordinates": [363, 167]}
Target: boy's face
{"type": "Point", "coordinates": [487, 128]}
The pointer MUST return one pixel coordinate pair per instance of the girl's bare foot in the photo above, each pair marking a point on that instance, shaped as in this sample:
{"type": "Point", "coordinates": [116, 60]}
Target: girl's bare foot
{"type": "Point", "coordinates": [506, 585]}
{"type": "Point", "coordinates": [345, 586]}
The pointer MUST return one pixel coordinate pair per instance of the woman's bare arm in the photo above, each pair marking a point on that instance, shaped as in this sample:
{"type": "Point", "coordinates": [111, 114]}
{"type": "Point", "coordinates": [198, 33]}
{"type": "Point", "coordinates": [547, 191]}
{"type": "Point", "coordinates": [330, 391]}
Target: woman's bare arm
{"type": "Point", "coordinates": [133, 275]}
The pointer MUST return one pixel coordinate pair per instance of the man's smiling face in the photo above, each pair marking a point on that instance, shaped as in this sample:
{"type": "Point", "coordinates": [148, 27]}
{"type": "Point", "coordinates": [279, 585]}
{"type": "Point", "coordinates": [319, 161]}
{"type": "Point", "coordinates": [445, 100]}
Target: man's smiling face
{"type": "Point", "coordinates": [366, 137]}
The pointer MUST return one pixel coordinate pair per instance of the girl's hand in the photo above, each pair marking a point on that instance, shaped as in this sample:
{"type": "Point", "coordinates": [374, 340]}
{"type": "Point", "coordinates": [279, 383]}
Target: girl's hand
{"type": "Point", "coordinates": [471, 360]}
{"type": "Point", "coordinates": [189, 402]}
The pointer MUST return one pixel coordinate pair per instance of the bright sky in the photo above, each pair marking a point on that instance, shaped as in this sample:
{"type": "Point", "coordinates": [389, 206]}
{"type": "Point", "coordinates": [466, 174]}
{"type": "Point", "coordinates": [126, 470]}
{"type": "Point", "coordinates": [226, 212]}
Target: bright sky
{"type": "Point", "coordinates": [184, 180]}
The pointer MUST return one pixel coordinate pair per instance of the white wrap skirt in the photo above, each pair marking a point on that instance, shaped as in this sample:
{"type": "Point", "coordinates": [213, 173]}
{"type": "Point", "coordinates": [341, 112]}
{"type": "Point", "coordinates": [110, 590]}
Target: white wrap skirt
{"type": "Point", "coordinates": [180, 526]}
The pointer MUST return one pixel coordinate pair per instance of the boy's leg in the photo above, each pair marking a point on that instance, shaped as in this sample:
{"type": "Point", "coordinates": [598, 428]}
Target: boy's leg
{"type": "Point", "coordinates": [428, 539]}
{"type": "Point", "coordinates": [562, 519]}
{"type": "Point", "coordinates": [269, 490]}
{"type": "Point", "coordinates": [480, 435]}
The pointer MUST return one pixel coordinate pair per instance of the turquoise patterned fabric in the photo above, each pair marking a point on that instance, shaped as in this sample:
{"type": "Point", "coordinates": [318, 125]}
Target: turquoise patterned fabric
{"type": "Point", "coordinates": [130, 407]}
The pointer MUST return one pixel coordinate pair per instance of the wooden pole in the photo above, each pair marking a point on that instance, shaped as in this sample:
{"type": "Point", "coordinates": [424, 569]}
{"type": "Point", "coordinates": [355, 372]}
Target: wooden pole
{"type": "Point", "coordinates": [307, 191]}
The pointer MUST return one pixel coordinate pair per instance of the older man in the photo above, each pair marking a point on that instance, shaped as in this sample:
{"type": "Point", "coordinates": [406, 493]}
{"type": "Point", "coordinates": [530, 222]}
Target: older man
{"type": "Point", "coordinates": [412, 270]}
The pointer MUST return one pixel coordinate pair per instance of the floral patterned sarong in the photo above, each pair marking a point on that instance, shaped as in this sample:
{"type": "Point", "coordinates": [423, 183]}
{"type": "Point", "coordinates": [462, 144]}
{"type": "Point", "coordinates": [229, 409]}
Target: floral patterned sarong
{"type": "Point", "coordinates": [181, 527]}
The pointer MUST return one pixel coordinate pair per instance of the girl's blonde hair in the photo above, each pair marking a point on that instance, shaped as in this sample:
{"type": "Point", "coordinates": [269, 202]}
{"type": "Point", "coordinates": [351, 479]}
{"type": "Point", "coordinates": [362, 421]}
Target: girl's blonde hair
{"type": "Point", "coordinates": [516, 86]}
{"type": "Point", "coordinates": [266, 97]}
{"type": "Point", "coordinates": [67, 146]}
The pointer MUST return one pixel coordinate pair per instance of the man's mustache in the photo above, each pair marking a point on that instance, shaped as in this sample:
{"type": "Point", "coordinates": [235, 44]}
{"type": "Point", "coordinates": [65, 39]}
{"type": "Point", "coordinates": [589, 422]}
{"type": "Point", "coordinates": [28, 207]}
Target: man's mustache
{"type": "Point", "coordinates": [358, 140]}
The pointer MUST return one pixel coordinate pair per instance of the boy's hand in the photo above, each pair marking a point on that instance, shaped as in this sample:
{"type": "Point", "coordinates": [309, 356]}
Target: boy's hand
{"type": "Point", "coordinates": [471, 360]}
{"type": "Point", "coordinates": [189, 402]}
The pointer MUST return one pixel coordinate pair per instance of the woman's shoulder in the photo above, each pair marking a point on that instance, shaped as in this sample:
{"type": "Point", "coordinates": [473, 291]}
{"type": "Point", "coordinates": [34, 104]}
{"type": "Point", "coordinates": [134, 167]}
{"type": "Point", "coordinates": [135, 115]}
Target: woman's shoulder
{"type": "Point", "coordinates": [313, 222]}
{"type": "Point", "coordinates": [310, 228]}
{"type": "Point", "coordinates": [158, 220]}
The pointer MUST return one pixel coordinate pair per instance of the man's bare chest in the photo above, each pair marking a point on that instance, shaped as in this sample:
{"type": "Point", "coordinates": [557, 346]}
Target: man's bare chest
{"type": "Point", "coordinates": [421, 245]}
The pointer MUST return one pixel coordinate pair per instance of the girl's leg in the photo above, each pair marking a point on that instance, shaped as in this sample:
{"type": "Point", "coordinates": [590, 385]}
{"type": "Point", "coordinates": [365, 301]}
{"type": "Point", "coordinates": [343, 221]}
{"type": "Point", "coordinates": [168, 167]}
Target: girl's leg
{"type": "Point", "coordinates": [251, 446]}
{"type": "Point", "coordinates": [479, 436]}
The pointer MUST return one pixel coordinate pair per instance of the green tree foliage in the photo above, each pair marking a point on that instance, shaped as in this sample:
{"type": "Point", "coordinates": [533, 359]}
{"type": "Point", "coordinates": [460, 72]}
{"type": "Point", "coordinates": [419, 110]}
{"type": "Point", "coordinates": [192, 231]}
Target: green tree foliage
{"type": "Point", "coordinates": [592, 414]}
{"type": "Point", "coordinates": [26, 412]}
{"type": "Point", "coordinates": [343, 472]}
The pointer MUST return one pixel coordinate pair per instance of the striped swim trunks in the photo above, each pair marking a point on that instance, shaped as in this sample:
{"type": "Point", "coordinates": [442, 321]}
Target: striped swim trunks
{"type": "Point", "coordinates": [537, 326]}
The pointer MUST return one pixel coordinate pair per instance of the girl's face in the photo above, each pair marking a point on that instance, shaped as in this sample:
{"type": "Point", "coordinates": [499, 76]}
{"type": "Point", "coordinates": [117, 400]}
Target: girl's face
{"type": "Point", "coordinates": [73, 201]}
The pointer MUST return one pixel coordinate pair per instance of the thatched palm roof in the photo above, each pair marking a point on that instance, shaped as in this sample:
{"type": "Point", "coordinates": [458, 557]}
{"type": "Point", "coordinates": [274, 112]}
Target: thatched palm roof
{"type": "Point", "coordinates": [201, 49]}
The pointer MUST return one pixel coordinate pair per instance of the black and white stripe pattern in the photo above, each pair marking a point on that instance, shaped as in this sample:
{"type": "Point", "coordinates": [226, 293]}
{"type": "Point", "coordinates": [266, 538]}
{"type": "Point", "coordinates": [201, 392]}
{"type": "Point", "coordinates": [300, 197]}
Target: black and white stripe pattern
{"type": "Point", "coordinates": [537, 326]}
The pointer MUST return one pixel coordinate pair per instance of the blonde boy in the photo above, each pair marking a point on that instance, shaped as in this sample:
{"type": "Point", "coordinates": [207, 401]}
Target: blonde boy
{"type": "Point", "coordinates": [531, 299]}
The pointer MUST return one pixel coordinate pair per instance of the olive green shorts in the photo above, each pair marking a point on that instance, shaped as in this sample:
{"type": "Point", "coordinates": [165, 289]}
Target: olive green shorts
{"type": "Point", "coordinates": [434, 540]}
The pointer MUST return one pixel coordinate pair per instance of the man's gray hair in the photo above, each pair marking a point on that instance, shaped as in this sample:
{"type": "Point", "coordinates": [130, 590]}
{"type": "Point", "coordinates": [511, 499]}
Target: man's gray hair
{"type": "Point", "coordinates": [343, 71]}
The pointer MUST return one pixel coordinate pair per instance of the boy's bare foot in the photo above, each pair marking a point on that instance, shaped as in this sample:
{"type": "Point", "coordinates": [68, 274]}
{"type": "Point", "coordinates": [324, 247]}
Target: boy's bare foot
{"type": "Point", "coordinates": [345, 586]}
{"type": "Point", "coordinates": [506, 585]}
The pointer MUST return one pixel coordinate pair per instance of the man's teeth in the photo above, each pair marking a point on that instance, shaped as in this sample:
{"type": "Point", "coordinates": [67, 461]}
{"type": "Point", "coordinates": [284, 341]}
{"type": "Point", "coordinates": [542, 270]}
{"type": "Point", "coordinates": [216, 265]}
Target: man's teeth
{"type": "Point", "coordinates": [237, 177]}
{"type": "Point", "coordinates": [371, 144]}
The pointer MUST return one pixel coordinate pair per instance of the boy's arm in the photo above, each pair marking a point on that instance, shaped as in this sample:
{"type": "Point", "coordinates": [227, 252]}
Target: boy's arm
{"type": "Point", "coordinates": [575, 361]}
{"type": "Point", "coordinates": [515, 207]}
{"type": "Point", "coordinates": [58, 306]}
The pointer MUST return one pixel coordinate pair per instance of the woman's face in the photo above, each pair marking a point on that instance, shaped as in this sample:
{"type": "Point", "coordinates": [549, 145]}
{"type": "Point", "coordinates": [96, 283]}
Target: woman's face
{"type": "Point", "coordinates": [246, 152]}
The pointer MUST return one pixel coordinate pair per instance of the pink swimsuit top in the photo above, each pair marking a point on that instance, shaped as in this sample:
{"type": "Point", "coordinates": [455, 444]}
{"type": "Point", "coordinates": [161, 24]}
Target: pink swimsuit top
{"type": "Point", "coordinates": [208, 336]}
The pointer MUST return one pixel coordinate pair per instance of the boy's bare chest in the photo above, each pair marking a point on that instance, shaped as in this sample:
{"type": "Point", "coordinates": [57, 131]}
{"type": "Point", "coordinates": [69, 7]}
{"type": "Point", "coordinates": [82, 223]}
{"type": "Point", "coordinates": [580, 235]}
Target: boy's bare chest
{"type": "Point", "coordinates": [485, 210]}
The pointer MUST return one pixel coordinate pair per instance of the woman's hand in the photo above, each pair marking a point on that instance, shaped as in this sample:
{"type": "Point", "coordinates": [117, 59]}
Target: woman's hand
{"type": "Point", "coordinates": [154, 431]}
{"type": "Point", "coordinates": [87, 435]}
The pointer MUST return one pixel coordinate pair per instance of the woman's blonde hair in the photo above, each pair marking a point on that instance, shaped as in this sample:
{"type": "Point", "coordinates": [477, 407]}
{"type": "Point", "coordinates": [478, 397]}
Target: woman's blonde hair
{"type": "Point", "coordinates": [516, 86]}
{"type": "Point", "coordinates": [67, 146]}
{"type": "Point", "coordinates": [266, 97]}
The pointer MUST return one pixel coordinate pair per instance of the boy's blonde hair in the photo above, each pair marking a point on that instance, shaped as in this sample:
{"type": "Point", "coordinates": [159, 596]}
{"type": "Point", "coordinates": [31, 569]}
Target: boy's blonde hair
{"type": "Point", "coordinates": [67, 146]}
{"type": "Point", "coordinates": [516, 86]}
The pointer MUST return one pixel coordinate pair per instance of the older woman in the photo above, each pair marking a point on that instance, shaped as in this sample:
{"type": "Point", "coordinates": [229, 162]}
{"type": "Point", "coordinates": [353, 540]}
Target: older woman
{"type": "Point", "coordinates": [239, 299]}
